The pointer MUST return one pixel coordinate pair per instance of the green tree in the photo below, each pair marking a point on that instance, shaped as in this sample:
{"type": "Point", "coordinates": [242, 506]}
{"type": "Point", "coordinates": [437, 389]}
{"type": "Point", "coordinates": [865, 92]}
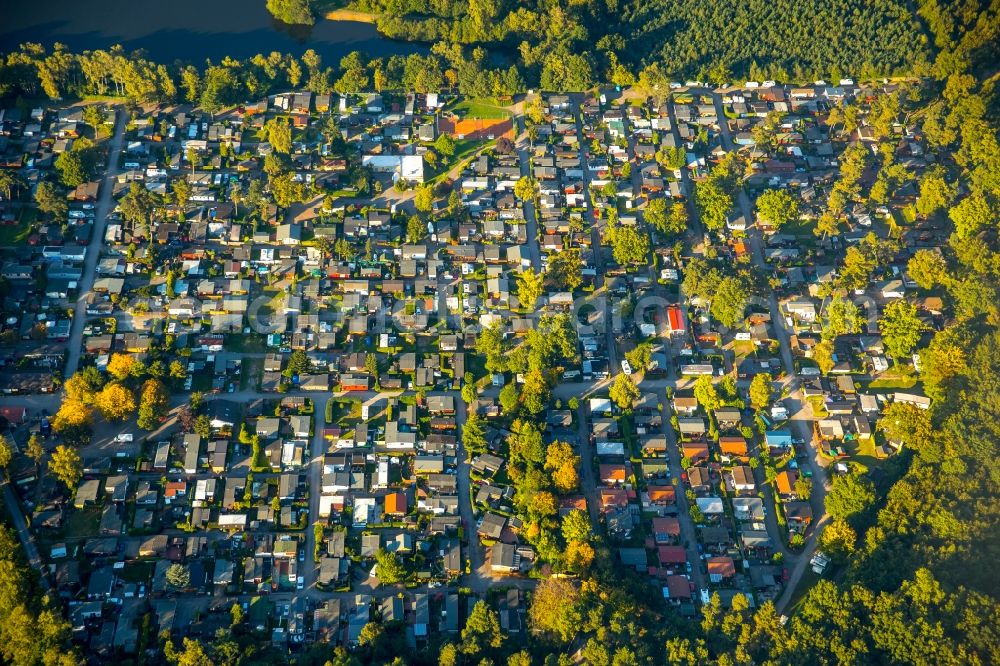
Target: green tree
{"type": "Point", "coordinates": [473, 434]}
{"type": "Point", "coordinates": [423, 198]}
{"type": "Point", "coordinates": [906, 423]}
{"type": "Point", "coordinates": [416, 229]}
{"type": "Point", "coordinates": [279, 134]}
{"type": "Point", "coordinates": [236, 614]}
{"type": "Point", "coordinates": [10, 182]}
{"type": "Point", "coordinates": [640, 357]}
{"type": "Point", "coordinates": [203, 426]}
{"type": "Point", "coordinates": [850, 495]}
{"type": "Point", "coordinates": [535, 392]}
{"type": "Point", "coordinates": [298, 364]}
{"type": "Point", "coordinates": [35, 450]}
{"type": "Point", "coordinates": [843, 317]}
{"type": "Point", "coordinates": [565, 269]}
{"type": "Point", "coordinates": [293, 12]}
{"type": "Point", "coordinates": [777, 207]}
{"type": "Point", "coordinates": [530, 287]}
{"type": "Point", "coordinates": [576, 526]}
{"type": "Point", "coordinates": [49, 201]}
{"type": "Point", "coordinates": [668, 222]}
{"type": "Point", "coordinates": [178, 576]}
{"type": "Point", "coordinates": [927, 268]}
{"type": "Point", "coordinates": [760, 391]}
{"type": "Point", "coordinates": [729, 304]}
{"type": "Point", "coordinates": [972, 214]}
{"type": "Point", "coordinates": [76, 166]}
{"type": "Point", "coordinates": [823, 355]}
{"type": "Point", "coordinates": [153, 404]}
{"type": "Point", "coordinates": [445, 145]}
{"type": "Point", "coordinates": [623, 391]}
{"type": "Point", "coordinates": [449, 655]}
{"type": "Point", "coordinates": [562, 463]}
{"type": "Point", "coordinates": [137, 207]}
{"type": "Point", "coordinates": [838, 540]}
{"type": "Point", "coordinates": [714, 204]}
{"type": "Point", "coordinates": [389, 569]}
{"type": "Point", "coordinates": [901, 329]}
{"type": "Point", "coordinates": [491, 343]}
{"type": "Point", "coordinates": [482, 630]}
{"type": "Point", "coordinates": [354, 74]}
{"type": "Point", "coordinates": [936, 193]}
{"type": "Point", "coordinates": [555, 609]}
{"type": "Point", "coordinates": [628, 244]}
{"type": "Point", "coordinates": [706, 394]}
{"type": "Point", "coordinates": [509, 399]}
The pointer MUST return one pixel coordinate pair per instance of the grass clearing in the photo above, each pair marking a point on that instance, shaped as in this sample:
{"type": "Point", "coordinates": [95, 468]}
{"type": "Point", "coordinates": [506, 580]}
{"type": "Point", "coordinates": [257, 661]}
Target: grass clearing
{"type": "Point", "coordinates": [799, 228]}
{"type": "Point", "coordinates": [806, 583]}
{"type": "Point", "coordinates": [482, 107]}
{"type": "Point", "coordinates": [818, 406]}
{"type": "Point", "coordinates": [18, 232]}
{"type": "Point", "coordinates": [894, 379]}
{"type": "Point", "coordinates": [82, 523]}
{"type": "Point", "coordinates": [251, 343]}
{"type": "Point", "coordinates": [863, 453]}
{"type": "Point", "coordinates": [250, 373]}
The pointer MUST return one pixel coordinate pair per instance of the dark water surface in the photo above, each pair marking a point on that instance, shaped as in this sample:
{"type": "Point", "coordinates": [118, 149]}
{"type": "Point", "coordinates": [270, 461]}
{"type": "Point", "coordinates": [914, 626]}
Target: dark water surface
{"type": "Point", "coordinates": [188, 30]}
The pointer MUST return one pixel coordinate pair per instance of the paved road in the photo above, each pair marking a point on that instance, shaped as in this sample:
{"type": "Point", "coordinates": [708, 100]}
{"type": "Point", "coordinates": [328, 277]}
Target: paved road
{"type": "Point", "coordinates": [588, 481]}
{"type": "Point", "coordinates": [800, 422]}
{"type": "Point", "coordinates": [688, 531]}
{"type": "Point", "coordinates": [24, 534]}
{"type": "Point", "coordinates": [105, 204]}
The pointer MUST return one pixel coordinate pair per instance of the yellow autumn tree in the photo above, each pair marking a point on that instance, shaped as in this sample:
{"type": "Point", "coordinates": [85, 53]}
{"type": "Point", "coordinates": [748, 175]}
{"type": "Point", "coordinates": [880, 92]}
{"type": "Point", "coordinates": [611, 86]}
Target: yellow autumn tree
{"type": "Point", "coordinates": [115, 402]}
{"type": "Point", "coordinates": [72, 414]}
{"type": "Point", "coordinates": [578, 556]}
{"type": "Point", "coordinates": [544, 504]}
{"type": "Point", "coordinates": [123, 366]}
{"type": "Point", "coordinates": [80, 388]}
{"type": "Point", "coordinates": [562, 463]}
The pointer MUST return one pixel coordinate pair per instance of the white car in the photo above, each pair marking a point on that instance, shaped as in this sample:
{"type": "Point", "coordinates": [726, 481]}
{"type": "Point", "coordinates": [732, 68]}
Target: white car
{"type": "Point", "coordinates": [626, 367]}
{"type": "Point", "coordinates": [124, 437]}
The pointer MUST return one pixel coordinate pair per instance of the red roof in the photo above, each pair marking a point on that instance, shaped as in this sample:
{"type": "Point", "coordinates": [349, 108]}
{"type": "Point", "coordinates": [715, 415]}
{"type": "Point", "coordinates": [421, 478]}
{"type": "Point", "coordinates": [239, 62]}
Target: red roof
{"type": "Point", "coordinates": [722, 566]}
{"type": "Point", "coordinates": [676, 318]}
{"type": "Point", "coordinates": [671, 555]}
{"type": "Point", "coordinates": [666, 525]}
{"type": "Point", "coordinates": [678, 587]}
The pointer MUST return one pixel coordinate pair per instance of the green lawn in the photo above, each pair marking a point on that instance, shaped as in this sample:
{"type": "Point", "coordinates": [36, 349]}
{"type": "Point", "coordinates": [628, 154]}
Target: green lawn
{"type": "Point", "coordinates": [81, 523]}
{"type": "Point", "coordinates": [137, 572]}
{"type": "Point", "coordinates": [465, 149]}
{"type": "Point", "coordinates": [894, 379]}
{"type": "Point", "coordinates": [818, 407]}
{"type": "Point", "coordinates": [17, 234]}
{"type": "Point", "coordinates": [806, 583]}
{"type": "Point", "coordinates": [483, 107]}
{"type": "Point", "coordinates": [250, 344]}
{"type": "Point", "coordinates": [801, 227]}
{"type": "Point", "coordinates": [863, 453]}
{"type": "Point", "coordinates": [250, 373]}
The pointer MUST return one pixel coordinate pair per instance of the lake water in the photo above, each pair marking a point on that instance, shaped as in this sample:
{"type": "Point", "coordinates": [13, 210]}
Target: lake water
{"type": "Point", "coordinates": [188, 30]}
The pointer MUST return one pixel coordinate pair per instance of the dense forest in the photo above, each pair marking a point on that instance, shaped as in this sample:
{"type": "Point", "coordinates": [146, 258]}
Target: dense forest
{"type": "Point", "coordinates": [553, 47]}
{"type": "Point", "coordinates": [553, 42]}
